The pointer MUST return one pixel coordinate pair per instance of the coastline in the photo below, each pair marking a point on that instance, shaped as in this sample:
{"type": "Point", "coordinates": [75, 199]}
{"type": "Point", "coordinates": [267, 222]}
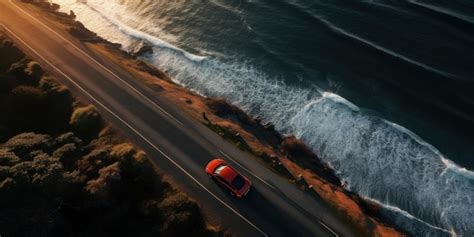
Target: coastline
{"type": "Point", "coordinates": [285, 155]}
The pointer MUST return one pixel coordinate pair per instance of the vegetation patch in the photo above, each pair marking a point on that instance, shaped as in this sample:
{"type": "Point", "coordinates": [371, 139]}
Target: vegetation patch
{"type": "Point", "coordinates": [64, 172]}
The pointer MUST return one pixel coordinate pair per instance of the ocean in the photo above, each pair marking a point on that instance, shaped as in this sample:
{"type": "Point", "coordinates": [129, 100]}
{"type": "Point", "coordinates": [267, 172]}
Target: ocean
{"type": "Point", "coordinates": [381, 90]}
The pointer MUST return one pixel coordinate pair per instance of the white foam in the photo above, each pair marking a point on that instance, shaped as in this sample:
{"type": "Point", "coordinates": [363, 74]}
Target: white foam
{"type": "Point", "coordinates": [338, 99]}
{"type": "Point", "coordinates": [131, 32]}
{"type": "Point", "coordinates": [410, 216]}
{"type": "Point", "coordinates": [96, 22]}
{"type": "Point", "coordinates": [450, 165]}
{"type": "Point", "coordinates": [147, 37]}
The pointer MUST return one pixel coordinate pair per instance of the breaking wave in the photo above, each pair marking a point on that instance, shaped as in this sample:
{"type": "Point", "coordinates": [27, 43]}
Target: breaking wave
{"type": "Point", "coordinates": [110, 26]}
{"type": "Point", "coordinates": [372, 45]}
{"type": "Point", "coordinates": [155, 41]}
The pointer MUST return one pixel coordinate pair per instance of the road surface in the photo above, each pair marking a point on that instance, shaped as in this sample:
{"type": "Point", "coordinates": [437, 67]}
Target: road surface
{"type": "Point", "coordinates": [179, 145]}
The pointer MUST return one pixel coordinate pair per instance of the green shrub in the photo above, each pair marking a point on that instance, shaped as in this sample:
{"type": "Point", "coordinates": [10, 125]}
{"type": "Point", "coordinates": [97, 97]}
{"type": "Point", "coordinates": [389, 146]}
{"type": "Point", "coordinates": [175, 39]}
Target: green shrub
{"type": "Point", "coordinates": [52, 184]}
{"type": "Point", "coordinates": [107, 176]}
{"type": "Point", "coordinates": [26, 108]}
{"type": "Point", "coordinates": [10, 54]}
{"type": "Point", "coordinates": [23, 144]}
{"type": "Point", "coordinates": [26, 72]}
{"type": "Point", "coordinates": [60, 101]}
{"type": "Point", "coordinates": [181, 217]}
{"type": "Point", "coordinates": [7, 158]}
{"type": "Point", "coordinates": [138, 172]}
{"type": "Point", "coordinates": [48, 83]}
{"type": "Point", "coordinates": [68, 154]}
{"type": "Point", "coordinates": [34, 71]}
{"type": "Point", "coordinates": [86, 122]}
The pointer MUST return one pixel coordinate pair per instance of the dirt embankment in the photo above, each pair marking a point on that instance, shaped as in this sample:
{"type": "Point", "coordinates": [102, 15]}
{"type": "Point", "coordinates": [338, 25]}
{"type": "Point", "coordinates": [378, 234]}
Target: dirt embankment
{"type": "Point", "coordinates": [285, 155]}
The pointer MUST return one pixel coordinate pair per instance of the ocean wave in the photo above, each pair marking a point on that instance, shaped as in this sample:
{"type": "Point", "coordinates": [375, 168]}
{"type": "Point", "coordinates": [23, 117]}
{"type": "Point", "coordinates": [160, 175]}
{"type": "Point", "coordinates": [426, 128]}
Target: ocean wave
{"type": "Point", "coordinates": [379, 159]}
{"type": "Point", "coordinates": [450, 165]}
{"type": "Point", "coordinates": [404, 216]}
{"type": "Point", "coordinates": [389, 163]}
{"type": "Point", "coordinates": [444, 13]}
{"type": "Point", "coordinates": [147, 37]}
{"type": "Point", "coordinates": [338, 99]}
{"type": "Point", "coordinates": [372, 45]}
{"type": "Point", "coordinates": [320, 20]}
{"type": "Point", "coordinates": [136, 34]}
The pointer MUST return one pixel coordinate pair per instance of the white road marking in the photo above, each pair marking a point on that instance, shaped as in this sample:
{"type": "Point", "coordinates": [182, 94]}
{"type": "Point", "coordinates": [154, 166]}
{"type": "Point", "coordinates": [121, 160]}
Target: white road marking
{"type": "Point", "coordinates": [136, 132]}
{"type": "Point", "coordinates": [102, 66]}
{"type": "Point", "coordinates": [250, 172]}
{"type": "Point", "coordinates": [327, 228]}
{"type": "Point", "coordinates": [271, 186]}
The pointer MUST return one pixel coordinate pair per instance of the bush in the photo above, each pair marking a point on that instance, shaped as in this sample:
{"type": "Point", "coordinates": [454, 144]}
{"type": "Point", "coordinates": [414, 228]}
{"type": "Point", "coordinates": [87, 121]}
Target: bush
{"type": "Point", "coordinates": [34, 71]}
{"type": "Point", "coordinates": [68, 155]}
{"type": "Point", "coordinates": [107, 175]}
{"type": "Point", "coordinates": [24, 143]}
{"type": "Point", "coordinates": [108, 190]}
{"type": "Point", "coordinates": [86, 122]}
{"type": "Point", "coordinates": [138, 172]}
{"type": "Point", "coordinates": [10, 54]}
{"type": "Point", "coordinates": [53, 184]}
{"type": "Point", "coordinates": [7, 158]}
{"type": "Point", "coordinates": [181, 217]}
{"type": "Point", "coordinates": [26, 72]}
{"type": "Point", "coordinates": [48, 83]}
{"type": "Point", "coordinates": [26, 107]}
{"type": "Point", "coordinates": [28, 141]}
{"type": "Point", "coordinates": [31, 186]}
{"type": "Point", "coordinates": [60, 108]}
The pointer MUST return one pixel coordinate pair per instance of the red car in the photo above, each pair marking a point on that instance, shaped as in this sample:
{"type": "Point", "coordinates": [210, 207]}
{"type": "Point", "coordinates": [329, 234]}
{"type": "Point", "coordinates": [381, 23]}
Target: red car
{"type": "Point", "coordinates": [220, 171]}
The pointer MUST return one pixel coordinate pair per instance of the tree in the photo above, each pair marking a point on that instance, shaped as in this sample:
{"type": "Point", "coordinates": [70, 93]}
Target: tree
{"type": "Point", "coordinates": [86, 122]}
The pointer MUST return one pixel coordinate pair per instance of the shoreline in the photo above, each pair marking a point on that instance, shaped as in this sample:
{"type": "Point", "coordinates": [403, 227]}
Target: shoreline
{"type": "Point", "coordinates": [285, 155]}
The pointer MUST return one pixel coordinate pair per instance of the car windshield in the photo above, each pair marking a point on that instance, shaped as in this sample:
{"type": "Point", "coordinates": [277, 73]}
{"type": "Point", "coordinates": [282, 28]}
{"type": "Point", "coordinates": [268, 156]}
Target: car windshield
{"type": "Point", "coordinates": [238, 182]}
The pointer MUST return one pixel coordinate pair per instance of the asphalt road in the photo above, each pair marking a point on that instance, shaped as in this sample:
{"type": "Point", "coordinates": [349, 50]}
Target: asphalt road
{"type": "Point", "coordinates": [179, 145]}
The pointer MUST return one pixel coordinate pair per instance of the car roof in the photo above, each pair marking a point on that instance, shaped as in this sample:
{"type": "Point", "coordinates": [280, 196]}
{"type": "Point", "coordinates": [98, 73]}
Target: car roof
{"type": "Point", "coordinates": [228, 173]}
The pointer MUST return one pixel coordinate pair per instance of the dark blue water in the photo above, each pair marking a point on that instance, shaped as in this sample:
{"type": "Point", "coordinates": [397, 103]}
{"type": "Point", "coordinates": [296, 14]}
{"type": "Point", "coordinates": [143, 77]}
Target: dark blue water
{"type": "Point", "coordinates": [383, 91]}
